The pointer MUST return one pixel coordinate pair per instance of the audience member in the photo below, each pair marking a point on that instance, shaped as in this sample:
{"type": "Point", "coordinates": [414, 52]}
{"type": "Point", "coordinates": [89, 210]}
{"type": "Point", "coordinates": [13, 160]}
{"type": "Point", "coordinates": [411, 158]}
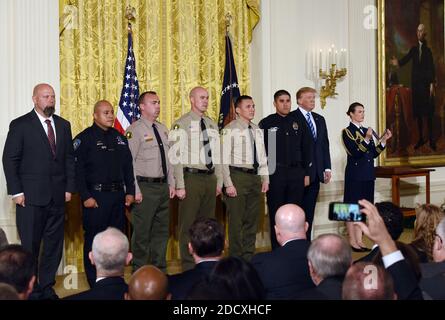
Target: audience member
{"type": "Point", "coordinates": [17, 269]}
{"type": "Point", "coordinates": [284, 270]}
{"type": "Point", "coordinates": [206, 246]}
{"type": "Point", "coordinates": [392, 216]}
{"type": "Point", "coordinates": [428, 217]}
{"type": "Point", "coordinates": [329, 258]}
{"type": "Point", "coordinates": [239, 278]}
{"type": "Point", "coordinates": [7, 292]}
{"type": "Point", "coordinates": [148, 283]}
{"type": "Point", "coordinates": [110, 256]}
{"type": "Point", "coordinates": [368, 281]}
{"type": "Point", "coordinates": [433, 273]}
{"type": "Point", "coordinates": [405, 282]}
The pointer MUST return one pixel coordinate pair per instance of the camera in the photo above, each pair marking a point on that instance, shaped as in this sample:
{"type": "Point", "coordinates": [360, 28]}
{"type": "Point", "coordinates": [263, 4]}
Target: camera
{"type": "Point", "coordinates": [340, 211]}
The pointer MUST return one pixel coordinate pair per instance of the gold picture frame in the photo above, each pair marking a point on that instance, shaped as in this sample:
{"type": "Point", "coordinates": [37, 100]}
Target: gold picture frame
{"type": "Point", "coordinates": [398, 21]}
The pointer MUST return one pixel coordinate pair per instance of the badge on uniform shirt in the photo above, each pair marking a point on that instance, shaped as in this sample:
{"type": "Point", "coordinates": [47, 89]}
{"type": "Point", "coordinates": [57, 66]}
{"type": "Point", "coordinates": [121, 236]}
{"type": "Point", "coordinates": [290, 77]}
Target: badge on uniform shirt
{"type": "Point", "coordinates": [120, 141]}
{"type": "Point", "coordinates": [76, 144]}
{"type": "Point", "coordinates": [295, 125]}
{"type": "Point", "coordinates": [147, 137]}
{"type": "Point", "coordinates": [129, 135]}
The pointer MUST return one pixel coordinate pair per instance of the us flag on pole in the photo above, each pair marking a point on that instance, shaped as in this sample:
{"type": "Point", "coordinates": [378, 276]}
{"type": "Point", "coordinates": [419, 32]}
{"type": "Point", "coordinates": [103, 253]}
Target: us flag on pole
{"type": "Point", "coordinates": [230, 88]}
{"type": "Point", "coordinates": [128, 110]}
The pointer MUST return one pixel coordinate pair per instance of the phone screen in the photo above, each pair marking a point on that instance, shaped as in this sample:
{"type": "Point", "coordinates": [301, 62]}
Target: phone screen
{"type": "Point", "coordinates": [339, 211]}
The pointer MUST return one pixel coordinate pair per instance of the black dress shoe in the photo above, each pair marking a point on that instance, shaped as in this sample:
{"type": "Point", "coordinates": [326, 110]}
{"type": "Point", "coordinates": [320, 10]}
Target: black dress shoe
{"type": "Point", "coordinates": [361, 249]}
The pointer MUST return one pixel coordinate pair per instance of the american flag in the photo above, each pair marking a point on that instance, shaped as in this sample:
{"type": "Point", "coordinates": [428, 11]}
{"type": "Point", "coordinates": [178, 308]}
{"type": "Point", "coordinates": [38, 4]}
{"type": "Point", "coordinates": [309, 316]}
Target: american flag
{"type": "Point", "coordinates": [128, 110]}
{"type": "Point", "coordinates": [230, 88]}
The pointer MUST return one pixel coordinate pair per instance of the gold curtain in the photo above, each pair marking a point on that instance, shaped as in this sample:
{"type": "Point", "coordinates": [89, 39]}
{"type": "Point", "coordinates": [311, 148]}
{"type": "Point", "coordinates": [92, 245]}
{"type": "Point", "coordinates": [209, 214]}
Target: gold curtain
{"type": "Point", "coordinates": [178, 44]}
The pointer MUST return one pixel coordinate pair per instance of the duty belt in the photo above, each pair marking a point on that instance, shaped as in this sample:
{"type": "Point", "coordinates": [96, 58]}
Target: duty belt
{"type": "Point", "coordinates": [246, 170]}
{"type": "Point", "coordinates": [108, 187]}
{"type": "Point", "coordinates": [194, 170]}
{"type": "Point", "coordinates": [151, 180]}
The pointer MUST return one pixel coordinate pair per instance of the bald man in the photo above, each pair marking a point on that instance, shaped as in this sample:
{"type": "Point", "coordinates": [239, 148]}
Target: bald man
{"type": "Point", "coordinates": [197, 172]}
{"type": "Point", "coordinates": [104, 176]}
{"type": "Point", "coordinates": [148, 283]}
{"type": "Point", "coordinates": [285, 271]}
{"type": "Point", "coordinates": [38, 164]}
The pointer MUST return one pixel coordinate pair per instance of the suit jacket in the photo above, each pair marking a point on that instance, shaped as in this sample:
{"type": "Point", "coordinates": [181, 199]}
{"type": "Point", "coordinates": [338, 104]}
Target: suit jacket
{"type": "Point", "coordinates": [284, 271]}
{"type": "Point", "coordinates": [111, 288]}
{"type": "Point", "coordinates": [321, 158]}
{"type": "Point", "coordinates": [328, 289]}
{"type": "Point", "coordinates": [405, 283]}
{"type": "Point", "coordinates": [370, 256]}
{"type": "Point", "coordinates": [360, 160]}
{"type": "Point", "coordinates": [422, 75]}
{"type": "Point", "coordinates": [433, 279]}
{"type": "Point", "coordinates": [29, 165]}
{"type": "Point", "coordinates": [181, 284]}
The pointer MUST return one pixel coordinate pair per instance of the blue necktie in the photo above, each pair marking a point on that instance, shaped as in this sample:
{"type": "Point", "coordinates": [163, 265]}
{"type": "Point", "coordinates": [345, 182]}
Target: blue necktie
{"type": "Point", "coordinates": [311, 125]}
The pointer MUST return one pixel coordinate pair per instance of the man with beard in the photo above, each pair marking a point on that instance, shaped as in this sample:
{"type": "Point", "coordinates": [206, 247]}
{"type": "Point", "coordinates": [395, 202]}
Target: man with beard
{"type": "Point", "coordinates": [39, 168]}
{"type": "Point", "coordinates": [104, 176]}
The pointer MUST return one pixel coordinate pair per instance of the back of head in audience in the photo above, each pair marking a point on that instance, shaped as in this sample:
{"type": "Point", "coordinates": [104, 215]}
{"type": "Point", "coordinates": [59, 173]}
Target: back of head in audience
{"type": "Point", "coordinates": [148, 283]}
{"type": "Point", "coordinates": [239, 277]}
{"type": "Point", "coordinates": [206, 239]}
{"type": "Point", "coordinates": [290, 223]}
{"type": "Point", "coordinates": [110, 253]}
{"type": "Point", "coordinates": [428, 217]}
{"type": "Point", "coordinates": [439, 244]}
{"type": "Point", "coordinates": [392, 216]}
{"type": "Point", "coordinates": [328, 256]}
{"type": "Point", "coordinates": [368, 281]}
{"type": "Point", "coordinates": [7, 292]}
{"type": "Point", "coordinates": [17, 269]}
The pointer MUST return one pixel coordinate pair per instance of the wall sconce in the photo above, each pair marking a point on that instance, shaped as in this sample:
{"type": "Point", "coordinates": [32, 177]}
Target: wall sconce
{"type": "Point", "coordinates": [330, 67]}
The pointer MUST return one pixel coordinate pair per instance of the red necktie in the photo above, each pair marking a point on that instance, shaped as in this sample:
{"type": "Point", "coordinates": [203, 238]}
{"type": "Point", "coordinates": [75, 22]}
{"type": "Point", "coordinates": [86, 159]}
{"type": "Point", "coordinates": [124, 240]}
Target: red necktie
{"type": "Point", "coordinates": [51, 137]}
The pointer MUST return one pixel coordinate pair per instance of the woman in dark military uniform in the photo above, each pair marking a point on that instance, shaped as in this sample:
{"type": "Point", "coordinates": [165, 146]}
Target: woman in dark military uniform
{"type": "Point", "coordinates": [360, 172]}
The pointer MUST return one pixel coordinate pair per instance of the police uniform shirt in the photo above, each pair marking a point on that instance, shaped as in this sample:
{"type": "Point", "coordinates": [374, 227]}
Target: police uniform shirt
{"type": "Point", "coordinates": [147, 161]}
{"type": "Point", "coordinates": [187, 130]}
{"type": "Point", "coordinates": [238, 149]}
{"type": "Point", "coordinates": [292, 140]}
{"type": "Point", "coordinates": [102, 156]}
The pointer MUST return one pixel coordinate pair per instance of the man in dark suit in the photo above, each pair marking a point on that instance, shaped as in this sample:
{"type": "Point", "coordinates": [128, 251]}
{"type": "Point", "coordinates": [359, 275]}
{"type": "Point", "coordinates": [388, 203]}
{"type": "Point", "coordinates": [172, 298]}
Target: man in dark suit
{"type": "Point", "coordinates": [39, 167]}
{"type": "Point", "coordinates": [110, 256]}
{"type": "Point", "coordinates": [320, 171]}
{"type": "Point", "coordinates": [284, 270]}
{"type": "Point", "coordinates": [423, 78]}
{"type": "Point", "coordinates": [329, 258]}
{"type": "Point", "coordinates": [206, 247]}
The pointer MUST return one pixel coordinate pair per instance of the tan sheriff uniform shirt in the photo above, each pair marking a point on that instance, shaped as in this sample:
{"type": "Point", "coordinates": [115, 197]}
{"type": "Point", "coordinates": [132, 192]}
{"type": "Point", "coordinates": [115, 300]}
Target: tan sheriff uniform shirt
{"type": "Point", "coordinates": [145, 150]}
{"type": "Point", "coordinates": [237, 149]}
{"type": "Point", "coordinates": [186, 142]}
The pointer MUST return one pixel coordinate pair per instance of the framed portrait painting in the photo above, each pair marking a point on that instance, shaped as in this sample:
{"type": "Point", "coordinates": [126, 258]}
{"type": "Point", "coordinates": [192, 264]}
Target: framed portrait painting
{"type": "Point", "coordinates": [411, 75]}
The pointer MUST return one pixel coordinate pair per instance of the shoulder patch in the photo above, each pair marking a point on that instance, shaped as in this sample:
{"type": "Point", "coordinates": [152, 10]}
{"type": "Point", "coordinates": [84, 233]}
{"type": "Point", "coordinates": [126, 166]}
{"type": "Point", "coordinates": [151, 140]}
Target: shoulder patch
{"type": "Point", "coordinates": [129, 135]}
{"type": "Point", "coordinates": [76, 144]}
